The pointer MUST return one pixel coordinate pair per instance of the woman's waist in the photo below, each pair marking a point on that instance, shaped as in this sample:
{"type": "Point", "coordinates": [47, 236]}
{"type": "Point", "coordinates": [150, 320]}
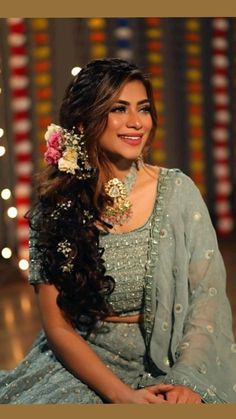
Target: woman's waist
{"type": "Point", "coordinates": [127, 318]}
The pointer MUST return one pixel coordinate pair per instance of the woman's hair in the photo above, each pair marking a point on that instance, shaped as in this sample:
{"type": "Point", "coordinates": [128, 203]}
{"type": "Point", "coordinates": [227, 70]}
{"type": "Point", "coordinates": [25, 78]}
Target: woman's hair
{"type": "Point", "coordinates": [87, 103]}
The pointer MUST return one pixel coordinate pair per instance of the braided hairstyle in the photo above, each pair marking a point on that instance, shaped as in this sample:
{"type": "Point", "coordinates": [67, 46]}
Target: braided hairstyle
{"type": "Point", "coordinates": [87, 102]}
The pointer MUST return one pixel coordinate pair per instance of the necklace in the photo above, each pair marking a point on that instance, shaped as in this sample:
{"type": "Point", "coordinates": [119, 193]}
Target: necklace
{"type": "Point", "coordinates": [121, 210]}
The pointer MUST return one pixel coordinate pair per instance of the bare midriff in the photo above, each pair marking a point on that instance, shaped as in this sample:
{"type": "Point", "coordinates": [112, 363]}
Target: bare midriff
{"type": "Point", "coordinates": [125, 319]}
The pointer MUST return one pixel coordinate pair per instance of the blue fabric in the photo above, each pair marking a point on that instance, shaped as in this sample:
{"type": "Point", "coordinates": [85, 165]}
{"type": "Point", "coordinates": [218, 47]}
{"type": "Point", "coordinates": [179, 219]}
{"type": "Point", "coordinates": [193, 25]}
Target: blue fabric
{"type": "Point", "coordinates": [186, 337]}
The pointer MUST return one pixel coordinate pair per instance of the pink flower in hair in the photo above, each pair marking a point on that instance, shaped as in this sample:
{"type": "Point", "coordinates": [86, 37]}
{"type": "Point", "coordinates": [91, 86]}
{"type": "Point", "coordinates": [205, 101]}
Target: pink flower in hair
{"type": "Point", "coordinates": [52, 155]}
{"type": "Point", "coordinates": [54, 140]}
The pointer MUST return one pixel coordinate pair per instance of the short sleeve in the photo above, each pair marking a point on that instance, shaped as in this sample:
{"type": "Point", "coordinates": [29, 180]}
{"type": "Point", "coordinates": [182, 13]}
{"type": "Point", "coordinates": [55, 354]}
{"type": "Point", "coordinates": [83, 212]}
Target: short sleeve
{"type": "Point", "coordinates": [36, 264]}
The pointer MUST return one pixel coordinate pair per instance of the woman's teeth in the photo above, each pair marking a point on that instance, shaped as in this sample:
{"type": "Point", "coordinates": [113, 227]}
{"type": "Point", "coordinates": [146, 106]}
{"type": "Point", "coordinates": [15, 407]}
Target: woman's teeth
{"type": "Point", "coordinates": [130, 137]}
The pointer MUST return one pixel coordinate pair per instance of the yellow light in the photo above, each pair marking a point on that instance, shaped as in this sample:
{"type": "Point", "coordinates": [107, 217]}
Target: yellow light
{"type": "Point", "coordinates": [154, 57]}
{"type": "Point", "coordinates": [23, 264]}
{"type": "Point", "coordinates": [6, 194]}
{"type": "Point", "coordinates": [193, 24]}
{"type": "Point", "coordinates": [41, 52]}
{"type": "Point", "coordinates": [154, 33]}
{"type": "Point", "coordinates": [98, 50]}
{"type": "Point", "coordinates": [43, 79]}
{"type": "Point", "coordinates": [6, 253]}
{"type": "Point", "coordinates": [1, 132]}
{"type": "Point", "coordinates": [75, 71]}
{"type": "Point", "coordinates": [2, 151]}
{"type": "Point", "coordinates": [43, 108]}
{"type": "Point", "coordinates": [96, 23]}
{"type": "Point", "coordinates": [12, 212]}
{"type": "Point", "coordinates": [39, 24]}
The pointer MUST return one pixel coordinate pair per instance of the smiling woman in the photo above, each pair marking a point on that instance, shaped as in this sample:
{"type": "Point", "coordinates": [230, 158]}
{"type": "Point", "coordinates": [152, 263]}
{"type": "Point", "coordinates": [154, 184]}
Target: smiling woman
{"type": "Point", "coordinates": [124, 261]}
{"type": "Point", "coordinates": [129, 125]}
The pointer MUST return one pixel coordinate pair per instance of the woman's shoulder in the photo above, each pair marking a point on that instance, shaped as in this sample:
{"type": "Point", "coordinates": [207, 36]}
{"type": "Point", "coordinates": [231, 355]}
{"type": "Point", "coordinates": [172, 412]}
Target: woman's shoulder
{"type": "Point", "coordinates": [177, 177]}
{"type": "Point", "coordinates": [173, 175]}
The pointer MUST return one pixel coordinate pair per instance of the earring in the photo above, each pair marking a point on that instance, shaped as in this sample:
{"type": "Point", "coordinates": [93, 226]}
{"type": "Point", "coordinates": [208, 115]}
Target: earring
{"type": "Point", "coordinates": [139, 161]}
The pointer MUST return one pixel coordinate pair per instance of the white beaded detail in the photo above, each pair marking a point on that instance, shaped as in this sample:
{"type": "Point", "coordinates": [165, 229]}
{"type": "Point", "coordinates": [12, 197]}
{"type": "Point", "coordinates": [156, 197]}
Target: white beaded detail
{"type": "Point", "coordinates": [210, 328]}
{"type": "Point", "coordinates": [197, 216]}
{"type": "Point", "coordinates": [184, 345]}
{"type": "Point", "coordinates": [218, 361]}
{"type": "Point", "coordinates": [163, 233]}
{"type": "Point", "coordinates": [203, 369]}
{"type": "Point", "coordinates": [178, 181]}
{"type": "Point", "coordinates": [233, 348]}
{"type": "Point", "coordinates": [164, 326]}
{"type": "Point", "coordinates": [178, 308]}
{"type": "Point", "coordinates": [211, 390]}
{"type": "Point", "coordinates": [166, 361]}
{"type": "Point", "coordinates": [212, 291]}
{"type": "Point", "coordinates": [209, 253]}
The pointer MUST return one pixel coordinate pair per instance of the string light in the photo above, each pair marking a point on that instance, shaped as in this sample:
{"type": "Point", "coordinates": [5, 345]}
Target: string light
{"type": "Point", "coordinates": [6, 194]}
{"type": "Point", "coordinates": [154, 35]}
{"type": "Point", "coordinates": [1, 132]}
{"type": "Point", "coordinates": [23, 264]}
{"type": "Point", "coordinates": [12, 212]}
{"type": "Point", "coordinates": [97, 37]}
{"type": "Point", "coordinates": [2, 150]}
{"type": "Point", "coordinates": [20, 47]}
{"type": "Point", "coordinates": [75, 71]}
{"type": "Point", "coordinates": [220, 78]}
{"type": "Point", "coordinates": [193, 85]}
{"type": "Point", "coordinates": [6, 253]}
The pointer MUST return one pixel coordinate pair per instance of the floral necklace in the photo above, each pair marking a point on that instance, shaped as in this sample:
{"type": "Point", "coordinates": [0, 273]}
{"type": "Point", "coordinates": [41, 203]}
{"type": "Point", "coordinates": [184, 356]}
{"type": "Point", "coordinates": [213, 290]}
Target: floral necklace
{"type": "Point", "coordinates": [121, 210]}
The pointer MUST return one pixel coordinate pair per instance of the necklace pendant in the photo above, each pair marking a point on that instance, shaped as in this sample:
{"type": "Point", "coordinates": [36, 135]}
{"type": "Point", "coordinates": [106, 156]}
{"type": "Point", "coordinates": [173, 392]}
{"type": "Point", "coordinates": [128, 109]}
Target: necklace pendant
{"type": "Point", "coordinates": [121, 210]}
{"type": "Point", "coordinates": [115, 188]}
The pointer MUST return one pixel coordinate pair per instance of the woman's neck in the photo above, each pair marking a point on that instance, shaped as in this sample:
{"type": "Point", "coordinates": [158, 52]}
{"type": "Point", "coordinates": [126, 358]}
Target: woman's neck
{"type": "Point", "coordinates": [120, 169]}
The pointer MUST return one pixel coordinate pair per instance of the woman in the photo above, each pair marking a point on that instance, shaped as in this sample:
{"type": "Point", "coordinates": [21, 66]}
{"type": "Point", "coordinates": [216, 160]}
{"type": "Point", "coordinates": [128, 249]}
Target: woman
{"type": "Point", "coordinates": [124, 261]}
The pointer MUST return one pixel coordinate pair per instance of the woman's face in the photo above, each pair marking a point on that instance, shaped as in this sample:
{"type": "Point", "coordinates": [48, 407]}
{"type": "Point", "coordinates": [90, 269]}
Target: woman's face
{"type": "Point", "coordinates": [128, 125]}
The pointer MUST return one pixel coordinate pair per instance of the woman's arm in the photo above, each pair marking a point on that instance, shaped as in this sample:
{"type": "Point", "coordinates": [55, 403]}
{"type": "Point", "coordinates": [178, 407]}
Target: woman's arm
{"type": "Point", "coordinates": [77, 356]}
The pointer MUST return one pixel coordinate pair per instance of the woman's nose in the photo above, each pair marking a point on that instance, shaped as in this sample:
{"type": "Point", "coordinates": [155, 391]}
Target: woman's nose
{"type": "Point", "coordinates": [134, 120]}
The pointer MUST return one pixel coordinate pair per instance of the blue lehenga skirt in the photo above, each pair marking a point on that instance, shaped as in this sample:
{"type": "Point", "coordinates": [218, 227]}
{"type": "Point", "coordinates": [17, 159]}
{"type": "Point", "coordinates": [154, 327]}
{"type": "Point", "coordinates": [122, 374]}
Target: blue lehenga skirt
{"type": "Point", "coordinates": [41, 378]}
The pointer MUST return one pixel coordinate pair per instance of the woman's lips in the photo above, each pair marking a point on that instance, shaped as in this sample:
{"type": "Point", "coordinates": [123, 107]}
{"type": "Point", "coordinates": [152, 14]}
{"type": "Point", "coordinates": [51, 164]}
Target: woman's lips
{"type": "Point", "coordinates": [131, 139]}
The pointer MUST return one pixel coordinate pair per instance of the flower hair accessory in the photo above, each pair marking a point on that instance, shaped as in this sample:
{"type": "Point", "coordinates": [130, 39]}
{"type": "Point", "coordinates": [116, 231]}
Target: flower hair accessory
{"type": "Point", "coordinates": [65, 248]}
{"type": "Point", "coordinates": [66, 149]}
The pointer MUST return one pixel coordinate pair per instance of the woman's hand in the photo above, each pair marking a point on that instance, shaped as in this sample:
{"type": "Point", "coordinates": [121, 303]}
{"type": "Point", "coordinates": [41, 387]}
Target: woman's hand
{"type": "Point", "coordinates": [182, 395]}
{"type": "Point", "coordinates": [149, 395]}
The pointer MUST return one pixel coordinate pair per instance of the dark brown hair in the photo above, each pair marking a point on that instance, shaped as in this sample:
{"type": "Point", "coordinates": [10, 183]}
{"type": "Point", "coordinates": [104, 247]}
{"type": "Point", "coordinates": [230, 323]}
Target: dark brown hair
{"type": "Point", "coordinates": [87, 102]}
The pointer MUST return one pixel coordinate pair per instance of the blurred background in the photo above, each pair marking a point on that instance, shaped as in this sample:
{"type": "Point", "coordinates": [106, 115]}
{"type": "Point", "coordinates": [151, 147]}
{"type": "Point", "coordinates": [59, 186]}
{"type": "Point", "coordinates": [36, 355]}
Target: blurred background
{"type": "Point", "coordinates": [192, 65]}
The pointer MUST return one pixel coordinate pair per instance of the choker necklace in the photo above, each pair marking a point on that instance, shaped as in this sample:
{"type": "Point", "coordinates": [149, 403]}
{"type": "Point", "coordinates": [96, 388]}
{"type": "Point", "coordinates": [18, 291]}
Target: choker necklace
{"type": "Point", "coordinates": [121, 210]}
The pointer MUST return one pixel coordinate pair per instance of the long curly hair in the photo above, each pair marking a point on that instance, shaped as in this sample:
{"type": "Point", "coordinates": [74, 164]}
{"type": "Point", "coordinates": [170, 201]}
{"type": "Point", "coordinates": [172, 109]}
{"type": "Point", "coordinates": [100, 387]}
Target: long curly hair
{"type": "Point", "coordinates": [87, 102]}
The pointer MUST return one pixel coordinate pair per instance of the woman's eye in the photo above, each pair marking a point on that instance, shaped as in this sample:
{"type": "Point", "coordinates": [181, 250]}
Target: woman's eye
{"type": "Point", "coordinates": [118, 109]}
{"type": "Point", "coordinates": [146, 109]}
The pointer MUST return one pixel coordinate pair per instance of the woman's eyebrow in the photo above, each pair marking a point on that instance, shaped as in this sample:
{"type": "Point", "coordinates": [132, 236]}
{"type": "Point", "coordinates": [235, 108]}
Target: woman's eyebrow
{"type": "Point", "coordinates": [140, 102]}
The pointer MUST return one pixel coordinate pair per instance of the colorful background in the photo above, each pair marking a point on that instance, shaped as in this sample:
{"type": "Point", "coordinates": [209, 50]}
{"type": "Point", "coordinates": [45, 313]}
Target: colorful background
{"type": "Point", "coordinates": [192, 65]}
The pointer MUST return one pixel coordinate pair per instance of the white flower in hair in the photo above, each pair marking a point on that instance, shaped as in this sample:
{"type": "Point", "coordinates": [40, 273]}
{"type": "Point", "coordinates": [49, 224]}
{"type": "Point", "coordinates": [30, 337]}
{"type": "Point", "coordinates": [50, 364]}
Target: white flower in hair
{"type": "Point", "coordinates": [68, 162]}
{"type": "Point", "coordinates": [52, 128]}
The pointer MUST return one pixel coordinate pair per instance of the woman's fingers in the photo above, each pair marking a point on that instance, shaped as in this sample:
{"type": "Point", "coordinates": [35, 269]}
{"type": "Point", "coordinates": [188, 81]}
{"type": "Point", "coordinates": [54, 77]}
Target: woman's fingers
{"type": "Point", "coordinates": [156, 399]}
{"type": "Point", "coordinates": [160, 388]}
{"type": "Point", "coordinates": [174, 394]}
{"type": "Point", "coordinates": [183, 395]}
